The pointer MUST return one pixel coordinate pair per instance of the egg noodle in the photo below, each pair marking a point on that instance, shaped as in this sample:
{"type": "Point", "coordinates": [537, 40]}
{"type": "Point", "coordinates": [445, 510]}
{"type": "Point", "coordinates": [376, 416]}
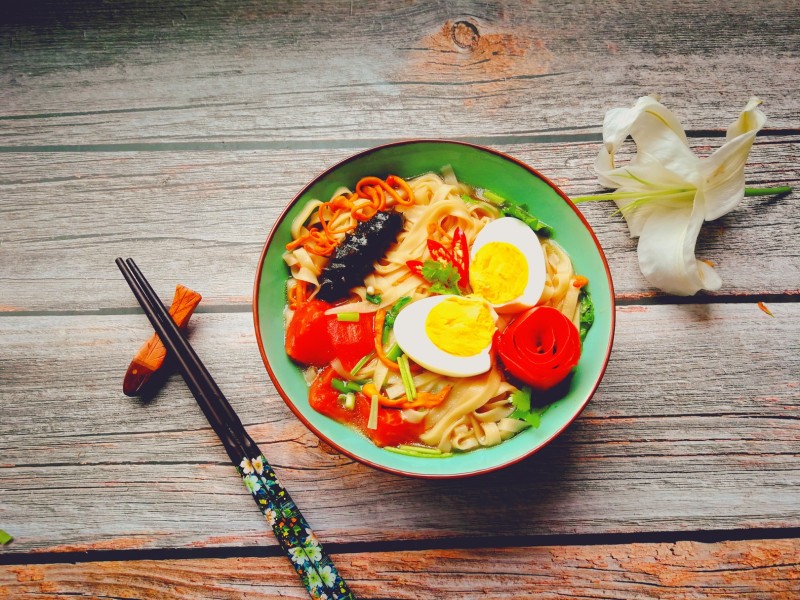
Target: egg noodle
{"type": "Point", "coordinates": [476, 412]}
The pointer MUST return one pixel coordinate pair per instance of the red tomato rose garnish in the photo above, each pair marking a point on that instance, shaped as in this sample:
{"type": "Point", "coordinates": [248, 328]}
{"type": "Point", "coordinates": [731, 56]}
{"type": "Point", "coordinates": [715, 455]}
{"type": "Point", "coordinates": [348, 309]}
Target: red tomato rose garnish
{"type": "Point", "coordinates": [540, 347]}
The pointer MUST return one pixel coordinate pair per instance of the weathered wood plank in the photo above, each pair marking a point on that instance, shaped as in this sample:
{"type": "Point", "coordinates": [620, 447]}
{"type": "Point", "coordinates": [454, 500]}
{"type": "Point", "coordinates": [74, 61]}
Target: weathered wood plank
{"type": "Point", "coordinates": [694, 427]}
{"type": "Point", "coordinates": [202, 218]}
{"type": "Point", "coordinates": [687, 570]}
{"type": "Point", "coordinates": [94, 73]}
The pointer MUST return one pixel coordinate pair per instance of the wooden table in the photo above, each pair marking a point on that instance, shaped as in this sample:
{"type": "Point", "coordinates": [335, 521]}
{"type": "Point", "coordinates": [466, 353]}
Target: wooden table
{"type": "Point", "coordinates": [175, 132]}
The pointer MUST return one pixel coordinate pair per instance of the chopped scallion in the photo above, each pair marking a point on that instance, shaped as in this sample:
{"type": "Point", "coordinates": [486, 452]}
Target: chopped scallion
{"type": "Point", "coordinates": [391, 315]}
{"type": "Point", "coordinates": [422, 449]}
{"type": "Point", "coordinates": [492, 197]}
{"type": "Point", "coordinates": [405, 375]}
{"type": "Point", "coordinates": [5, 538]}
{"type": "Point", "coordinates": [353, 386]}
{"type": "Point", "coordinates": [360, 364]}
{"type": "Point", "coordinates": [394, 352]}
{"type": "Point", "coordinates": [350, 401]}
{"type": "Point", "coordinates": [416, 453]}
{"type": "Point", "coordinates": [349, 317]}
{"type": "Point", "coordinates": [374, 298]}
{"type": "Point", "coordinates": [339, 386]}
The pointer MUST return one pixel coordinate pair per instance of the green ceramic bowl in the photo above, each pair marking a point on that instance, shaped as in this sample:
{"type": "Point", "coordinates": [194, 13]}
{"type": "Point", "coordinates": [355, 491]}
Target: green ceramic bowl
{"type": "Point", "coordinates": [480, 167]}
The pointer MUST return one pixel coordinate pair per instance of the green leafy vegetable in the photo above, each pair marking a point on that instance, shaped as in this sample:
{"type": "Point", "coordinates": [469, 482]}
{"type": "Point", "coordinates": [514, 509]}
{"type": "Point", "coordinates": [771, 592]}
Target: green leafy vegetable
{"type": "Point", "coordinates": [374, 298]}
{"type": "Point", "coordinates": [510, 209]}
{"type": "Point", "coordinates": [521, 399]}
{"type": "Point", "coordinates": [444, 278]}
{"type": "Point", "coordinates": [391, 315]}
{"type": "Point", "coordinates": [587, 312]}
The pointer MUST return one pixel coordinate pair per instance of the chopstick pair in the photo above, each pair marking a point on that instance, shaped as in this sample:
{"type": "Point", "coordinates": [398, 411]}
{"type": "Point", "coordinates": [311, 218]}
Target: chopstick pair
{"type": "Point", "coordinates": [313, 565]}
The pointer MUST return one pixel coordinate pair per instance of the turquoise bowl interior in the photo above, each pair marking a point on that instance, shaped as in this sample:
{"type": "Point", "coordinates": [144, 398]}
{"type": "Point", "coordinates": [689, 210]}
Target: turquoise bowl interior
{"type": "Point", "coordinates": [480, 167]}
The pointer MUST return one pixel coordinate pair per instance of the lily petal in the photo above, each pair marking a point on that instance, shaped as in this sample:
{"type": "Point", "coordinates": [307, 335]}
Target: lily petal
{"type": "Point", "coordinates": [644, 177]}
{"type": "Point", "coordinates": [656, 132]}
{"type": "Point", "coordinates": [666, 250]}
{"type": "Point", "coordinates": [723, 171]}
{"type": "Point", "coordinates": [618, 122]}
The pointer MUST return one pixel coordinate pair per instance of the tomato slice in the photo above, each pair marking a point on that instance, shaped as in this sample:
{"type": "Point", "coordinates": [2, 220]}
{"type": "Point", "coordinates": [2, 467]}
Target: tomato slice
{"type": "Point", "coordinates": [352, 341]}
{"type": "Point", "coordinates": [392, 428]}
{"type": "Point", "coordinates": [324, 399]}
{"type": "Point", "coordinates": [314, 338]}
{"type": "Point", "coordinates": [307, 337]}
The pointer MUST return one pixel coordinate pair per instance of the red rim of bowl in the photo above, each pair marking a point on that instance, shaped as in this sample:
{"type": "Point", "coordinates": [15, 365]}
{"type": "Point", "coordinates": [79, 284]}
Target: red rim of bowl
{"type": "Point", "coordinates": [384, 468]}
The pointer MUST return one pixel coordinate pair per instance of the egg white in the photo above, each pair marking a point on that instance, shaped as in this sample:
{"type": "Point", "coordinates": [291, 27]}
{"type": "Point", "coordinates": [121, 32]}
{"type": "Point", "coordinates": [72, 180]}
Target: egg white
{"type": "Point", "coordinates": [515, 232]}
{"type": "Point", "coordinates": [409, 332]}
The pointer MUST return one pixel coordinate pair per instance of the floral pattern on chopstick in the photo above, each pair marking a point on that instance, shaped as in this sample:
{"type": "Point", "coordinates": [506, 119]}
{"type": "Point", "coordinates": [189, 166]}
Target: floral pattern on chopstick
{"type": "Point", "coordinates": [304, 550]}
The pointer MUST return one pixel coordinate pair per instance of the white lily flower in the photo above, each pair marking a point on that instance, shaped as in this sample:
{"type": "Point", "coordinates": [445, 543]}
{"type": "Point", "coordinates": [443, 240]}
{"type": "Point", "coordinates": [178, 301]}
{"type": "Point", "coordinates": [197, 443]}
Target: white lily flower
{"type": "Point", "coordinates": [666, 192]}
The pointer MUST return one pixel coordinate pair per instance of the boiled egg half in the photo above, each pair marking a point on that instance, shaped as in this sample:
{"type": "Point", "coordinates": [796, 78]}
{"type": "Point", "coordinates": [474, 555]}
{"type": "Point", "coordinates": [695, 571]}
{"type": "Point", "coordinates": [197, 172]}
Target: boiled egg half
{"type": "Point", "coordinates": [507, 265]}
{"type": "Point", "coordinates": [449, 335]}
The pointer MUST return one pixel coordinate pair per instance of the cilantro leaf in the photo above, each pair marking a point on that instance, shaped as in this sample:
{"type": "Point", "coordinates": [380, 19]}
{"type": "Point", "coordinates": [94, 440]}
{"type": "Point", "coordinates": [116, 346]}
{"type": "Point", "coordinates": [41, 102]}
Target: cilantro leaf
{"type": "Point", "coordinates": [521, 399]}
{"type": "Point", "coordinates": [444, 278]}
{"type": "Point", "coordinates": [587, 313]}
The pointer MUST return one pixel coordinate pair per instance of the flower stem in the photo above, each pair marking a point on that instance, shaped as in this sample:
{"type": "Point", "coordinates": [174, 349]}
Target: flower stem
{"type": "Point", "coordinates": [773, 191]}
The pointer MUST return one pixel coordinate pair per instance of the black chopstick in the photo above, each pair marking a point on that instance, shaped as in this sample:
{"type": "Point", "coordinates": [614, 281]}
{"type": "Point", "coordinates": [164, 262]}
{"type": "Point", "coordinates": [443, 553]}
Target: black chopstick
{"type": "Point", "coordinates": [309, 559]}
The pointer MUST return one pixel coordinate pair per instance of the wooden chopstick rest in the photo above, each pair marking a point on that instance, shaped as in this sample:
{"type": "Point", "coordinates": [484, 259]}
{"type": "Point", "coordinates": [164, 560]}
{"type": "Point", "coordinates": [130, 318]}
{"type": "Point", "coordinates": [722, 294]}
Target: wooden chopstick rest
{"type": "Point", "coordinates": [151, 355]}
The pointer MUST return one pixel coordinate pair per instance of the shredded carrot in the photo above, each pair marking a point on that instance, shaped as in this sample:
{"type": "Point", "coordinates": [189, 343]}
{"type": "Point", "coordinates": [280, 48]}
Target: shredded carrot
{"type": "Point", "coordinates": [369, 198]}
{"type": "Point", "coordinates": [763, 307]}
{"type": "Point", "coordinates": [380, 317]}
{"type": "Point", "coordinates": [424, 399]}
{"type": "Point", "coordinates": [404, 277]}
{"type": "Point", "coordinates": [299, 241]}
{"type": "Point", "coordinates": [297, 294]}
{"type": "Point", "coordinates": [395, 183]}
{"type": "Point", "coordinates": [580, 281]}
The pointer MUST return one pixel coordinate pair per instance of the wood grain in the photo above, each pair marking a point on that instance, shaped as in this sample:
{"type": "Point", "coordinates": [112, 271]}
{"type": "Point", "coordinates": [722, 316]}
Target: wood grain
{"type": "Point", "coordinates": [201, 219]}
{"type": "Point", "coordinates": [764, 569]}
{"type": "Point", "coordinates": [706, 442]}
{"type": "Point", "coordinates": [169, 73]}
{"type": "Point", "coordinates": [176, 132]}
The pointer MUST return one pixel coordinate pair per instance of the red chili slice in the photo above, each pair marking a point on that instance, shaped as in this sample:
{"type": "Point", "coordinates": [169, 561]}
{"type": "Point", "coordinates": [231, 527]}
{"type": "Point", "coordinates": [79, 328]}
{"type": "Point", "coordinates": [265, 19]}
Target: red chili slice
{"type": "Point", "coordinates": [461, 257]}
{"type": "Point", "coordinates": [415, 266]}
{"type": "Point", "coordinates": [540, 347]}
{"type": "Point", "coordinates": [439, 252]}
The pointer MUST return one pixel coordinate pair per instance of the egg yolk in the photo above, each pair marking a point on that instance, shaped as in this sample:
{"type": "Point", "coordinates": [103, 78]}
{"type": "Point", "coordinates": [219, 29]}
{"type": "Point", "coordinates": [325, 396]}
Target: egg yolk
{"type": "Point", "coordinates": [460, 326]}
{"type": "Point", "coordinates": [499, 272]}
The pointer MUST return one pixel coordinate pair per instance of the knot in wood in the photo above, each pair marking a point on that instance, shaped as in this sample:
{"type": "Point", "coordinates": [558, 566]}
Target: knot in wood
{"type": "Point", "coordinates": [465, 35]}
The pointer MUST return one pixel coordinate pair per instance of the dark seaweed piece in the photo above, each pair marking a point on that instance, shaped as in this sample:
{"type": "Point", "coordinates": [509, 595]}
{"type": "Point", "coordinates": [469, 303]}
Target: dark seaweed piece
{"type": "Point", "coordinates": [352, 259]}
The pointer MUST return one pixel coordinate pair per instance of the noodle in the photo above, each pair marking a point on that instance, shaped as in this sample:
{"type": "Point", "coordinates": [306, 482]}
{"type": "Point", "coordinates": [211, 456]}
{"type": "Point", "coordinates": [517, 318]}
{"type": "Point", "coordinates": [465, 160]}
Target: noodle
{"type": "Point", "coordinates": [477, 410]}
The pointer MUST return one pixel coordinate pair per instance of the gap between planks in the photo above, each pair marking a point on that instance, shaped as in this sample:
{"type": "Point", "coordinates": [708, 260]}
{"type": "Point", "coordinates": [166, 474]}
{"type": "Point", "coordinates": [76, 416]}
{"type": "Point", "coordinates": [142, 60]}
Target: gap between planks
{"type": "Point", "coordinates": [624, 300]}
{"type": "Point", "coordinates": [545, 137]}
{"type": "Point", "coordinates": [457, 543]}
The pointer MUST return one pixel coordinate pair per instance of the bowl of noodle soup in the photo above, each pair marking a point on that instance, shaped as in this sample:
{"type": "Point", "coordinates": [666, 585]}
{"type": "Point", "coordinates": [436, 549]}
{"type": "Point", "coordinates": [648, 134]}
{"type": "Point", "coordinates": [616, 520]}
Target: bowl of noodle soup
{"type": "Point", "coordinates": [483, 436]}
